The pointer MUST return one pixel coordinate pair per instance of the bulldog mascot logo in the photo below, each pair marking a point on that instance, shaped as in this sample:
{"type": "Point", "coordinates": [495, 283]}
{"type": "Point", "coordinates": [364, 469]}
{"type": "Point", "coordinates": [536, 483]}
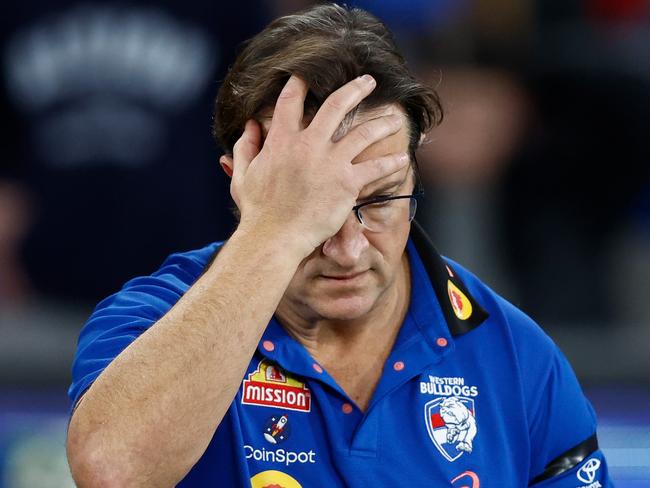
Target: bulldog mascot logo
{"type": "Point", "coordinates": [460, 422]}
{"type": "Point", "coordinates": [451, 423]}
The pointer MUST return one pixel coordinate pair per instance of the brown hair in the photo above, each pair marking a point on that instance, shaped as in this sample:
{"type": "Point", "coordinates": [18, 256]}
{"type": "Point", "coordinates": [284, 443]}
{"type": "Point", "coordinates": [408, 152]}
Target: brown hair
{"type": "Point", "coordinates": [327, 46]}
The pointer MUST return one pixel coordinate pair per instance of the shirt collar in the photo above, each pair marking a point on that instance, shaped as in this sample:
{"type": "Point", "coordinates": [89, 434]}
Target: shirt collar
{"type": "Point", "coordinates": [461, 310]}
{"type": "Point", "coordinates": [441, 308]}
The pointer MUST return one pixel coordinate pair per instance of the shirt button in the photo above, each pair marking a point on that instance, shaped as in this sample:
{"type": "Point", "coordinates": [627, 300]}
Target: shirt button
{"type": "Point", "coordinates": [317, 368]}
{"type": "Point", "coordinates": [398, 366]}
{"type": "Point", "coordinates": [346, 408]}
{"type": "Point", "coordinates": [442, 342]}
{"type": "Point", "coordinates": [268, 345]}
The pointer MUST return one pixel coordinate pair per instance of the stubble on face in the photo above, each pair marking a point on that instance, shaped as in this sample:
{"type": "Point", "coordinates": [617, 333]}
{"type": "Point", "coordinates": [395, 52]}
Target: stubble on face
{"type": "Point", "coordinates": [317, 297]}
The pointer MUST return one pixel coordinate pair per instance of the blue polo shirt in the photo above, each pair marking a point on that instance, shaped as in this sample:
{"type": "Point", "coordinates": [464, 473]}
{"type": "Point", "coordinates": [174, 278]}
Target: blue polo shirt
{"type": "Point", "coordinates": [473, 394]}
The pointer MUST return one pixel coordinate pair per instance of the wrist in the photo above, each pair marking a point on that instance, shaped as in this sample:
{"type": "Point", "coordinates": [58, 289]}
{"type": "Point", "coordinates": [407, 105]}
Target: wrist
{"type": "Point", "coordinates": [275, 237]}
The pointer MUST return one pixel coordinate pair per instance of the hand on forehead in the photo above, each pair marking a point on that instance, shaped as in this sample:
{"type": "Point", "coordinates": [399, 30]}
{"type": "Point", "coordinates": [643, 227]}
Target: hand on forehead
{"type": "Point", "coordinates": [299, 178]}
{"type": "Point", "coordinates": [353, 119]}
{"type": "Point", "coordinates": [398, 142]}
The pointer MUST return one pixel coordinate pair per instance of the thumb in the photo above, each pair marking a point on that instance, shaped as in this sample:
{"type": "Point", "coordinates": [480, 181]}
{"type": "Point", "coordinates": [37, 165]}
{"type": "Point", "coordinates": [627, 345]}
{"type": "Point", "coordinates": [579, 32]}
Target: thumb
{"type": "Point", "coordinates": [246, 148]}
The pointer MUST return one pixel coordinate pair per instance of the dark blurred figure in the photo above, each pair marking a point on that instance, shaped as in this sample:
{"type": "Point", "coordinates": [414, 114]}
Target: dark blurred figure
{"type": "Point", "coordinates": [586, 163]}
{"type": "Point", "coordinates": [572, 192]}
{"type": "Point", "coordinates": [108, 113]}
{"type": "Point", "coordinates": [487, 112]}
{"type": "Point", "coordinates": [14, 222]}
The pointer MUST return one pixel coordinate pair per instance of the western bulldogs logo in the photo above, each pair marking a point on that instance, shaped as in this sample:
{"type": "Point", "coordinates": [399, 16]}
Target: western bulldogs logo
{"type": "Point", "coordinates": [451, 424]}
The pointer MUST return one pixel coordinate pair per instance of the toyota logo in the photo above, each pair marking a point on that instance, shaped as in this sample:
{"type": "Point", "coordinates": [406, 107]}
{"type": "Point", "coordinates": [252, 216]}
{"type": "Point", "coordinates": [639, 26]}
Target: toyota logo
{"type": "Point", "coordinates": [587, 473]}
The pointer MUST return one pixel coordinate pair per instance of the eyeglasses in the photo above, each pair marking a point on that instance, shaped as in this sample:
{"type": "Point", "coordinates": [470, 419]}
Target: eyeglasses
{"type": "Point", "coordinates": [386, 212]}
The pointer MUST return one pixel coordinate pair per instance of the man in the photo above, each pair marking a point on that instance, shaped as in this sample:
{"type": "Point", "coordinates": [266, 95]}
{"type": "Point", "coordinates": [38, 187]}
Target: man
{"type": "Point", "coordinates": [326, 343]}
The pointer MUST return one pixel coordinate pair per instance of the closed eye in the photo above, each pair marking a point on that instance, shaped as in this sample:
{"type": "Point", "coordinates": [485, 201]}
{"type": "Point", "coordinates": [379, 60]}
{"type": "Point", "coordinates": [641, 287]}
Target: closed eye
{"type": "Point", "coordinates": [373, 198]}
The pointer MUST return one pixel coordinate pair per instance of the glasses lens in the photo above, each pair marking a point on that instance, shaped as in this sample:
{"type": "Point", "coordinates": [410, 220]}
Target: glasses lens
{"type": "Point", "coordinates": [413, 206]}
{"type": "Point", "coordinates": [382, 216]}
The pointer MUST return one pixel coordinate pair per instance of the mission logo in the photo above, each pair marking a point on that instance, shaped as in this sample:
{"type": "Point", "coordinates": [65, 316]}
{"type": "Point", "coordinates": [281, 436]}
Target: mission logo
{"type": "Point", "coordinates": [271, 386]}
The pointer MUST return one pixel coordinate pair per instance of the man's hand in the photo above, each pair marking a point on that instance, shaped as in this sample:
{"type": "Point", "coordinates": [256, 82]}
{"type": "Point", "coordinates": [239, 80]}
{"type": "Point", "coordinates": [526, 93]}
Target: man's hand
{"type": "Point", "coordinates": [298, 189]}
{"type": "Point", "coordinates": [300, 183]}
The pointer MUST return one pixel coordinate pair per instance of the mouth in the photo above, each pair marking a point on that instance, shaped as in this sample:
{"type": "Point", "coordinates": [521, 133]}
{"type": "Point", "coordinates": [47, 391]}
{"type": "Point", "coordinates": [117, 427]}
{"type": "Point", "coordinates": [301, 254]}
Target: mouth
{"type": "Point", "coordinates": [343, 278]}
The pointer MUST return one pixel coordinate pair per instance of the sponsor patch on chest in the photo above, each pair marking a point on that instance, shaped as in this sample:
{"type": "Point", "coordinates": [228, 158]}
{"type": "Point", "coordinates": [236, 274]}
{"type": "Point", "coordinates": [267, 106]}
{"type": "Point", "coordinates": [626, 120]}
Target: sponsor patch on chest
{"type": "Point", "coordinates": [271, 386]}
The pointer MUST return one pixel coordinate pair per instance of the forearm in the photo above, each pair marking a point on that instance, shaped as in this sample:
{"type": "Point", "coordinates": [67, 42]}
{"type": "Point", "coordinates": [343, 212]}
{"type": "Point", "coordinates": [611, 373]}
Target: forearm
{"type": "Point", "coordinates": [150, 415]}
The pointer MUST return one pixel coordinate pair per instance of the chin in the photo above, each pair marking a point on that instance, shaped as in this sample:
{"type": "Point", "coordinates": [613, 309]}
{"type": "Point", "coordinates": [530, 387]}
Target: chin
{"type": "Point", "coordinates": [349, 308]}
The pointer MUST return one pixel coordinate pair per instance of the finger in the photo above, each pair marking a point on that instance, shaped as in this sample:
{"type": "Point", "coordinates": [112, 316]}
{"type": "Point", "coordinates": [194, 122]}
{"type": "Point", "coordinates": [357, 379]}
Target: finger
{"type": "Point", "coordinates": [246, 148]}
{"type": "Point", "coordinates": [338, 104]}
{"type": "Point", "coordinates": [367, 133]}
{"type": "Point", "coordinates": [289, 106]}
{"type": "Point", "coordinates": [367, 172]}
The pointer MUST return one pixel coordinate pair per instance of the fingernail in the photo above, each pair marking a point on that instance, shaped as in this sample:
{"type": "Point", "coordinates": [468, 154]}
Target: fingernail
{"type": "Point", "coordinates": [368, 79]}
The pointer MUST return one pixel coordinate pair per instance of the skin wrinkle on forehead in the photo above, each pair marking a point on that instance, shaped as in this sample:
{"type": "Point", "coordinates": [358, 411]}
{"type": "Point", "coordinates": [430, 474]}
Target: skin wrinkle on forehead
{"type": "Point", "coordinates": [265, 117]}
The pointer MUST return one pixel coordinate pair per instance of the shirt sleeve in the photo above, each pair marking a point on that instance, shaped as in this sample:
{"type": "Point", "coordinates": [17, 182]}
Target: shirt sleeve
{"type": "Point", "coordinates": [562, 423]}
{"type": "Point", "coordinates": [592, 472]}
{"type": "Point", "coordinates": [120, 319]}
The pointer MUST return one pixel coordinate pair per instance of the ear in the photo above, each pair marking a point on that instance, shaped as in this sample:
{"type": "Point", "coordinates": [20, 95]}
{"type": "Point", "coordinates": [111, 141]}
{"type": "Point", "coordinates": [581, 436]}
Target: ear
{"type": "Point", "coordinates": [226, 164]}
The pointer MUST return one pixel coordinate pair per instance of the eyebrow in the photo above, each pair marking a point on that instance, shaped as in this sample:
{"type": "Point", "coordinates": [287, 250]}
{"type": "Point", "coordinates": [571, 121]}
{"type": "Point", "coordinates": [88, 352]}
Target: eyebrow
{"type": "Point", "coordinates": [385, 187]}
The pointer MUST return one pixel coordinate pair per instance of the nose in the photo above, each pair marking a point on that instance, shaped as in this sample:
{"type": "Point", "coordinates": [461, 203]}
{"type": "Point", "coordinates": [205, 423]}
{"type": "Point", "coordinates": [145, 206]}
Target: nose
{"type": "Point", "coordinates": [348, 244]}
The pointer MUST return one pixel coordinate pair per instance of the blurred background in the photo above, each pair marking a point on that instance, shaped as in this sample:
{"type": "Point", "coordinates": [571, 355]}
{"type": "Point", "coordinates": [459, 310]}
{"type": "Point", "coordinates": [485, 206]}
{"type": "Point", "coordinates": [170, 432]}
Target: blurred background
{"type": "Point", "coordinates": [538, 180]}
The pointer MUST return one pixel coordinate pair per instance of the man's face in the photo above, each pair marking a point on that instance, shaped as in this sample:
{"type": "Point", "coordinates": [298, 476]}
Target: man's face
{"type": "Point", "coordinates": [350, 274]}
